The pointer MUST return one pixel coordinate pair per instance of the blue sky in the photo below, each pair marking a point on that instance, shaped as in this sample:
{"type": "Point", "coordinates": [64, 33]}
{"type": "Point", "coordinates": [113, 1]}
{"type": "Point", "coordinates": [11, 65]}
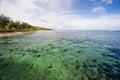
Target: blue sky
{"type": "Point", "coordinates": [65, 14]}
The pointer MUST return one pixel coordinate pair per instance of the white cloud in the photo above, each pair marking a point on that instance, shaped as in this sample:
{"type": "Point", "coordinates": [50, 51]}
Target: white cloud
{"type": "Point", "coordinates": [58, 21]}
{"type": "Point", "coordinates": [67, 22]}
{"type": "Point", "coordinates": [23, 9]}
{"type": "Point", "coordinates": [20, 10]}
{"type": "Point", "coordinates": [45, 14]}
{"type": "Point", "coordinates": [107, 1]}
{"type": "Point", "coordinates": [96, 2]}
{"type": "Point", "coordinates": [99, 9]}
{"type": "Point", "coordinates": [58, 5]}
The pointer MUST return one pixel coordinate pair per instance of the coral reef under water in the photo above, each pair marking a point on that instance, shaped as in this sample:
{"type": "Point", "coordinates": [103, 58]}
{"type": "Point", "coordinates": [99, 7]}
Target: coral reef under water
{"type": "Point", "coordinates": [32, 58]}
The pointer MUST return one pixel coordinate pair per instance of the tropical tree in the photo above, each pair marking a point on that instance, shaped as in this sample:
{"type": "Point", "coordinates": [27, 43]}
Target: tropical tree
{"type": "Point", "coordinates": [4, 21]}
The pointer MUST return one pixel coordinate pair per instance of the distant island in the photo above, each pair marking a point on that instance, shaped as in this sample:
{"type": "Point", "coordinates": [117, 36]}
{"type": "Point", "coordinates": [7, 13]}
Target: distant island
{"type": "Point", "coordinates": [7, 25]}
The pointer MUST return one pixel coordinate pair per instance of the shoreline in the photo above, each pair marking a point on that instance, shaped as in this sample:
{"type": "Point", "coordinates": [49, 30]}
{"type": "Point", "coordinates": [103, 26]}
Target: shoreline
{"type": "Point", "coordinates": [12, 33]}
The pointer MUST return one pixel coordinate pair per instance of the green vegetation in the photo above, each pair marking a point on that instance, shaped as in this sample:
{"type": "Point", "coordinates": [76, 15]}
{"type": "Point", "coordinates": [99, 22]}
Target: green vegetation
{"type": "Point", "coordinates": [6, 24]}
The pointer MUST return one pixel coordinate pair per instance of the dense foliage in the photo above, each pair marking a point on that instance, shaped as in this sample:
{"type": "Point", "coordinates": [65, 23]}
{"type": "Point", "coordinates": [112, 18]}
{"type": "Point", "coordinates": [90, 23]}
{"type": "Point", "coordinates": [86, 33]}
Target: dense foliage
{"type": "Point", "coordinates": [6, 23]}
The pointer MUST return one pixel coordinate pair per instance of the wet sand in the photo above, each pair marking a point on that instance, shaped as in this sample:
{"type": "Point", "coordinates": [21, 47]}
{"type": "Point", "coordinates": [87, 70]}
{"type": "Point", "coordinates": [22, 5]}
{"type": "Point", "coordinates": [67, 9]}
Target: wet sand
{"type": "Point", "coordinates": [12, 33]}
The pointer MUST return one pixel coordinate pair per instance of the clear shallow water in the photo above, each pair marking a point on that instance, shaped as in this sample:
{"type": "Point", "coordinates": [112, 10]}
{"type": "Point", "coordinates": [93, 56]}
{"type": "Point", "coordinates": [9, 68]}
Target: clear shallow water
{"type": "Point", "coordinates": [61, 55]}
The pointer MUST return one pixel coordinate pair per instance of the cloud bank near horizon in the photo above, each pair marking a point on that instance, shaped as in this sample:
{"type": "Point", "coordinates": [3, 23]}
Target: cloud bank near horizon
{"type": "Point", "coordinates": [62, 14]}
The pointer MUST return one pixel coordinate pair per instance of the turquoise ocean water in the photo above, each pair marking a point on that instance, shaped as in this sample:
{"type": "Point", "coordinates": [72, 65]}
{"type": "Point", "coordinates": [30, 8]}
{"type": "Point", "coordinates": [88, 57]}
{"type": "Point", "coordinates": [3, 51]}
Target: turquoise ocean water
{"type": "Point", "coordinates": [61, 55]}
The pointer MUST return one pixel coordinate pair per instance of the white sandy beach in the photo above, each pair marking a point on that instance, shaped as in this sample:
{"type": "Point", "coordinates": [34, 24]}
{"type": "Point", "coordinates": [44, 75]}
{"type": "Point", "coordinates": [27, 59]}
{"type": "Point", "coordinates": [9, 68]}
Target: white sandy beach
{"type": "Point", "coordinates": [14, 33]}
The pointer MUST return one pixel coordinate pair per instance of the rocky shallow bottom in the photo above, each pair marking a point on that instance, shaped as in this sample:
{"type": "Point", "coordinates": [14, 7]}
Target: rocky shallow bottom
{"type": "Point", "coordinates": [32, 58]}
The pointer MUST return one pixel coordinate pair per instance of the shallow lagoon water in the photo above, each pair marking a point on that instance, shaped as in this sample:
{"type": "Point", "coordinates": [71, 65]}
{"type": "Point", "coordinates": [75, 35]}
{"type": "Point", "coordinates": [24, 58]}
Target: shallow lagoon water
{"type": "Point", "coordinates": [61, 55]}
